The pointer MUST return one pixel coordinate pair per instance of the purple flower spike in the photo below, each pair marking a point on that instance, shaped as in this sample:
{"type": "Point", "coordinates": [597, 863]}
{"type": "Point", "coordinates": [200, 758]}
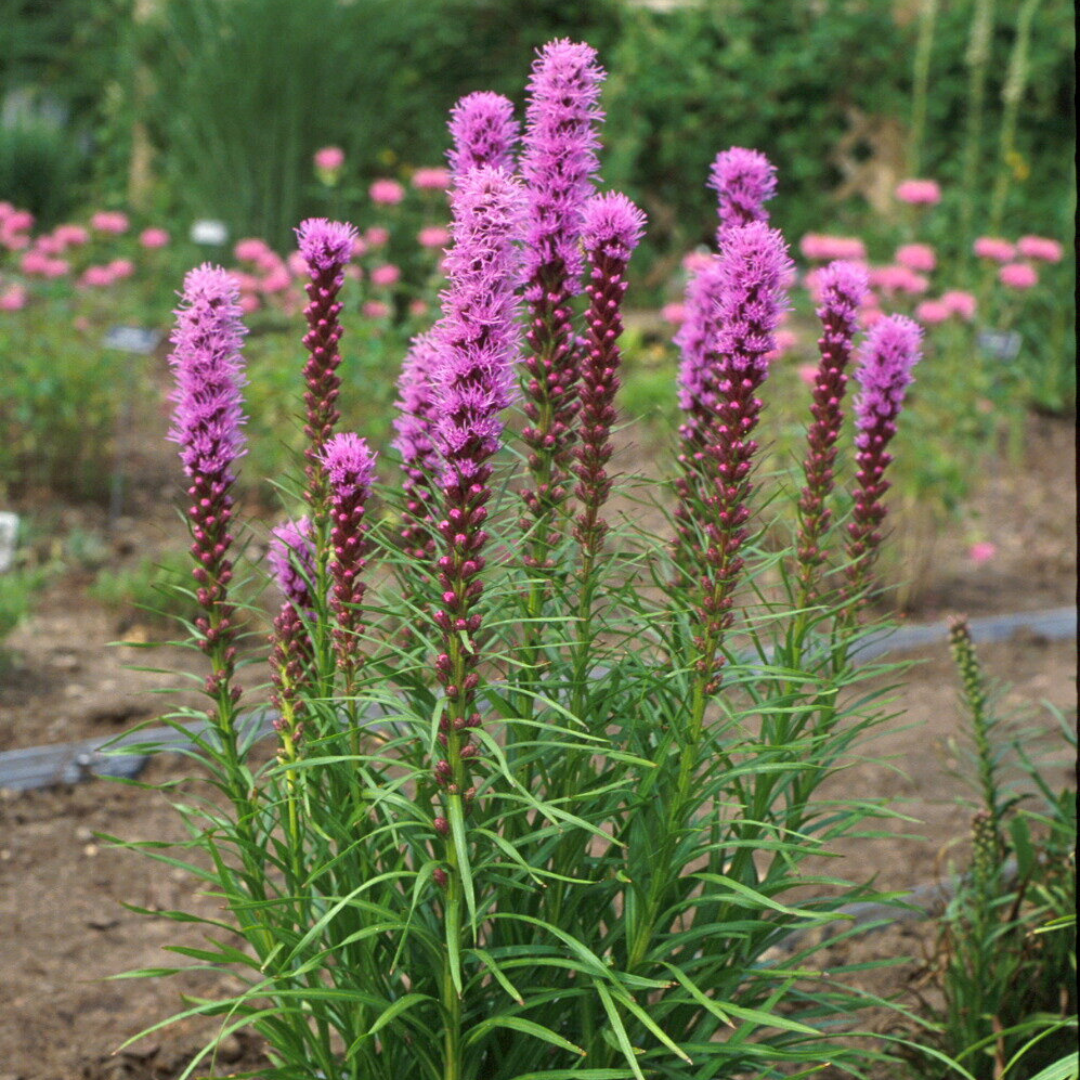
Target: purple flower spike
{"type": "Point", "coordinates": [886, 361]}
{"type": "Point", "coordinates": [612, 228]}
{"type": "Point", "coordinates": [292, 561]}
{"type": "Point", "coordinates": [327, 248]}
{"type": "Point", "coordinates": [350, 466]}
{"type": "Point", "coordinates": [207, 424]}
{"type": "Point", "coordinates": [744, 180]}
{"type": "Point", "coordinates": [484, 132]}
{"type": "Point", "coordinates": [842, 286]}
{"type": "Point", "coordinates": [475, 345]}
{"type": "Point", "coordinates": [559, 164]}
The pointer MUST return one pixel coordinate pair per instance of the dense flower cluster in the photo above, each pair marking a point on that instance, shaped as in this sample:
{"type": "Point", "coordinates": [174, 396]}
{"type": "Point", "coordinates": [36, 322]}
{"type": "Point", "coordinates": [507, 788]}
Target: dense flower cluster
{"type": "Point", "coordinates": [744, 180]}
{"type": "Point", "coordinates": [484, 132]}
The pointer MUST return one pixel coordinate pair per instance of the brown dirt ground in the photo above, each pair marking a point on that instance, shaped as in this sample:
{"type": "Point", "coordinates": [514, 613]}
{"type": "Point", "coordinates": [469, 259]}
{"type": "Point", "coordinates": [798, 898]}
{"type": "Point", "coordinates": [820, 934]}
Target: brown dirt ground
{"type": "Point", "coordinates": [64, 931]}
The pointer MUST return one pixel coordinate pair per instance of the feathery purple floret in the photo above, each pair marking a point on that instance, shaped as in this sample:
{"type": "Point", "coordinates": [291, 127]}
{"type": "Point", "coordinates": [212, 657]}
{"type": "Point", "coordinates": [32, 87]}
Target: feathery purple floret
{"type": "Point", "coordinates": [886, 361]}
{"type": "Point", "coordinates": [208, 368]}
{"type": "Point", "coordinates": [326, 245]}
{"type": "Point", "coordinates": [292, 561]}
{"type": "Point", "coordinates": [350, 465]}
{"type": "Point", "coordinates": [559, 160]}
{"type": "Point", "coordinates": [416, 405]}
{"type": "Point", "coordinates": [484, 133]}
{"type": "Point", "coordinates": [612, 226]}
{"type": "Point", "coordinates": [476, 342]}
{"type": "Point", "coordinates": [744, 180]}
{"type": "Point", "coordinates": [696, 339]}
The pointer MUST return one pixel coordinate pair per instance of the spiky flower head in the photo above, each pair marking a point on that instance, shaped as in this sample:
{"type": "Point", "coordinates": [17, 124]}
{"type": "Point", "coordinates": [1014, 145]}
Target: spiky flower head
{"type": "Point", "coordinates": [696, 338]}
{"type": "Point", "coordinates": [417, 409]}
{"type": "Point", "coordinates": [208, 367]}
{"type": "Point", "coordinates": [559, 158]}
{"type": "Point", "coordinates": [886, 360]}
{"type": "Point", "coordinates": [326, 245]}
{"type": "Point", "coordinates": [612, 226]}
{"type": "Point", "coordinates": [477, 340]}
{"type": "Point", "coordinates": [484, 132]}
{"type": "Point", "coordinates": [842, 287]}
{"type": "Point", "coordinates": [350, 465]}
{"type": "Point", "coordinates": [292, 561]}
{"type": "Point", "coordinates": [744, 180]}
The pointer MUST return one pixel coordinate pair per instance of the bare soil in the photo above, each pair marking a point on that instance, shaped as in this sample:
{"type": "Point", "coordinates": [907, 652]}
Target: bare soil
{"type": "Point", "coordinates": [62, 924]}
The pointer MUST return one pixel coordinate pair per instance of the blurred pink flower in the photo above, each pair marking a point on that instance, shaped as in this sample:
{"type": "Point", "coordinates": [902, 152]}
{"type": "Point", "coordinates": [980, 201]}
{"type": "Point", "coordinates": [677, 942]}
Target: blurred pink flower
{"type": "Point", "coordinates": [933, 312]}
{"type": "Point", "coordinates": [919, 192]}
{"type": "Point", "coordinates": [693, 261]}
{"type": "Point", "coordinates": [354, 272]}
{"type": "Point", "coordinates": [993, 247]}
{"type": "Point", "coordinates": [960, 303]}
{"type": "Point", "coordinates": [819, 247]}
{"type": "Point", "coordinates": [5, 209]}
{"type": "Point", "coordinates": [122, 268]}
{"type": "Point", "coordinates": [277, 280]}
{"type": "Point", "coordinates": [18, 221]}
{"type": "Point", "coordinates": [1018, 276]}
{"type": "Point", "coordinates": [917, 257]}
{"type": "Point", "coordinates": [250, 249]}
{"type": "Point", "coordinates": [871, 316]}
{"type": "Point", "coordinates": [113, 222]}
{"type": "Point", "coordinates": [33, 262]}
{"type": "Point", "coordinates": [893, 279]}
{"type": "Point", "coordinates": [81, 323]}
{"type": "Point", "coordinates": [249, 302]}
{"type": "Point", "coordinates": [1040, 247]}
{"type": "Point", "coordinates": [71, 235]}
{"type": "Point", "coordinates": [154, 238]}
{"type": "Point", "coordinates": [434, 236]}
{"type": "Point", "coordinates": [244, 282]}
{"type": "Point", "coordinates": [385, 275]}
{"type": "Point", "coordinates": [57, 268]}
{"type": "Point", "coordinates": [982, 552]}
{"type": "Point", "coordinates": [386, 192]}
{"type": "Point", "coordinates": [674, 313]}
{"type": "Point", "coordinates": [376, 236]}
{"type": "Point", "coordinates": [13, 298]}
{"type": "Point", "coordinates": [431, 179]}
{"type": "Point", "coordinates": [785, 341]}
{"type": "Point", "coordinates": [808, 374]}
{"type": "Point", "coordinates": [418, 307]}
{"type": "Point", "coordinates": [297, 264]}
{"type": "Point", "coordinates": [360, 247]}
{"type": "Point", "coordinates": [329, 159]}
{"type": "Point", "coordinates": [96, 277]}
{"type": "Point", "coordinates": [49, 245]}
{"type": "Point", "coordinates": [375, 309]}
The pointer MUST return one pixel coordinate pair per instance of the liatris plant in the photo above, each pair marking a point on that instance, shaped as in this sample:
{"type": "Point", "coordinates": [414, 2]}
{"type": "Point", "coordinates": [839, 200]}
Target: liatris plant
{"type": "Point", "coordinates": [484, 132]}
{"type": "Point", "coordinates": [546, 817]}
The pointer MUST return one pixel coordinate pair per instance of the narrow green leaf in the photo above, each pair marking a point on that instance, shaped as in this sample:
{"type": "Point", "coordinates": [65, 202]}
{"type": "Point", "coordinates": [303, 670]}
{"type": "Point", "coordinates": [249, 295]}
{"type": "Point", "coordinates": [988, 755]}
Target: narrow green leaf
{"type": "Point", "coordinates": [526, 1027]}
{"type": "Point", "coordinates": [620, 1031]}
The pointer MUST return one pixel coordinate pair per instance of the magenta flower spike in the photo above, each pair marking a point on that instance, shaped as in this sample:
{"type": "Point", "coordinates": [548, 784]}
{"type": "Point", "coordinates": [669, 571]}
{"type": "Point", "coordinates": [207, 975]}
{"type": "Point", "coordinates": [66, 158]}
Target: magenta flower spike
{"type": "Point", "coordinates": [751, 286]}
{"type": "Point", "coordinates": [484, 132]}
{"type": "Point", "coordinates": [612, 228]}
{"type": "Point", "coordinates": [207, 424]}
{"type": "Point", "coordinates": [843, 286]}
{"type": "Point", "coordinates": [744, 180]}
{"type": "Point", "coordinates": [559, 164]}
{"type": "Point", "coordinates": [886, 361]}
{"type": "Point", "coordinates": [292, 561]}
{"type": "Point", "coordinates": [350, 467]}
{"type": "Point", "coordinates": [326, 247]}
{"type": "Point", "coordinates": [414, 441]}
{"type": "Point", "coordinates": [476, 344]}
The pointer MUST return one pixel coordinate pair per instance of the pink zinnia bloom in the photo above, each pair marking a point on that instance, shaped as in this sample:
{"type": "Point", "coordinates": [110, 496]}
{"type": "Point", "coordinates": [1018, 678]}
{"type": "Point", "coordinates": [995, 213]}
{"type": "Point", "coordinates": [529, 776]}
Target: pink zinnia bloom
{"type": "Point", "coordinates": [434, 236]}
{"type": "Point", "coordinates": [375, 309]}
{"type": "Point", "coordinates": [329, 159]}
{"type": "Point", "coordinates": [71, 235]}
{"type": "Point", "coordinates": [932, 312]}
{"type": "Point", "coordinates": [121, 268]}
{"type": "Point", "coordinates": [674, 312]}
{"type": "Point", "coordinates": [386, 192]}
{"type": "Point", "coordinates": [1040, 247]}
{"type": "Point", "coordinates": [994, 248]}
{"type": "Point", "coordinates": [49, 245]}
{"type": "Point", "coordinates": [34, 262]}
{"type": "Point", "coordinates": [97, 277]}
{"type": "Point", "coordinates": [1018, 276]}
{"type": "Point", "coordinates": [431, 179]}
{"type": "Point", "coordinates": [917, 257]}
{"type": "Point", "coordinates": [154, 238]}
{"type": "Point", "coordinates": [960, 303]}
{"type": "Point", "coordinates": [919, 192]}
{"type": "Point", "coordinates": [110, 221]}
{"type": "Point", "coordinates": [376, 236]}
{"type": "Point", "coordinates": [251, 249]}
{"type": "Point", "coordinates": [821, 248]}
{"type": "Point", "coordinates": [13, 298]}
{"type": "Point", "coordinates": [385, 275]}
{"type": "Point", "coordinates": [18, 221]}
{"type": "Point", "coordinates": [982, 552]}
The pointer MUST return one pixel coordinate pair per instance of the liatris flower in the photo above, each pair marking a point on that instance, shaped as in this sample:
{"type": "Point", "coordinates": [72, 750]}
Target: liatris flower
{"type": "Point", "coordinates": [886, 360]}
{"type": "Point", "coordinates": [484, 132]}
{"type": "Point", "coordinates": [475, 346]}
{"type": "Point", "coordinates": [207, 425]}
{"type": "Point", "coordinates": [350, 467]}
{"type": "Point", "coordinates": [559, 164]}
{"type": "Point", "coordinates": [744, 181]}
{"type": "Point", "coordinates": [326, 247]}
{"type": "Point", "coordinates": [612, 228]}
{"type": "Point", "coordinates": [292, 561]}
{"type": "Point", "coordinates": [843, 286]}
{"type": "Point", "coordinates": [1018, 276]}
{"type": "Point", "coordinates": [753, 270]}
{"type": "Point", "coordinates": [419, 458]}
{"type": "Point", "coordinates": [1040, 247]}
{"type": "Point", "coordinates": [919, 192]}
